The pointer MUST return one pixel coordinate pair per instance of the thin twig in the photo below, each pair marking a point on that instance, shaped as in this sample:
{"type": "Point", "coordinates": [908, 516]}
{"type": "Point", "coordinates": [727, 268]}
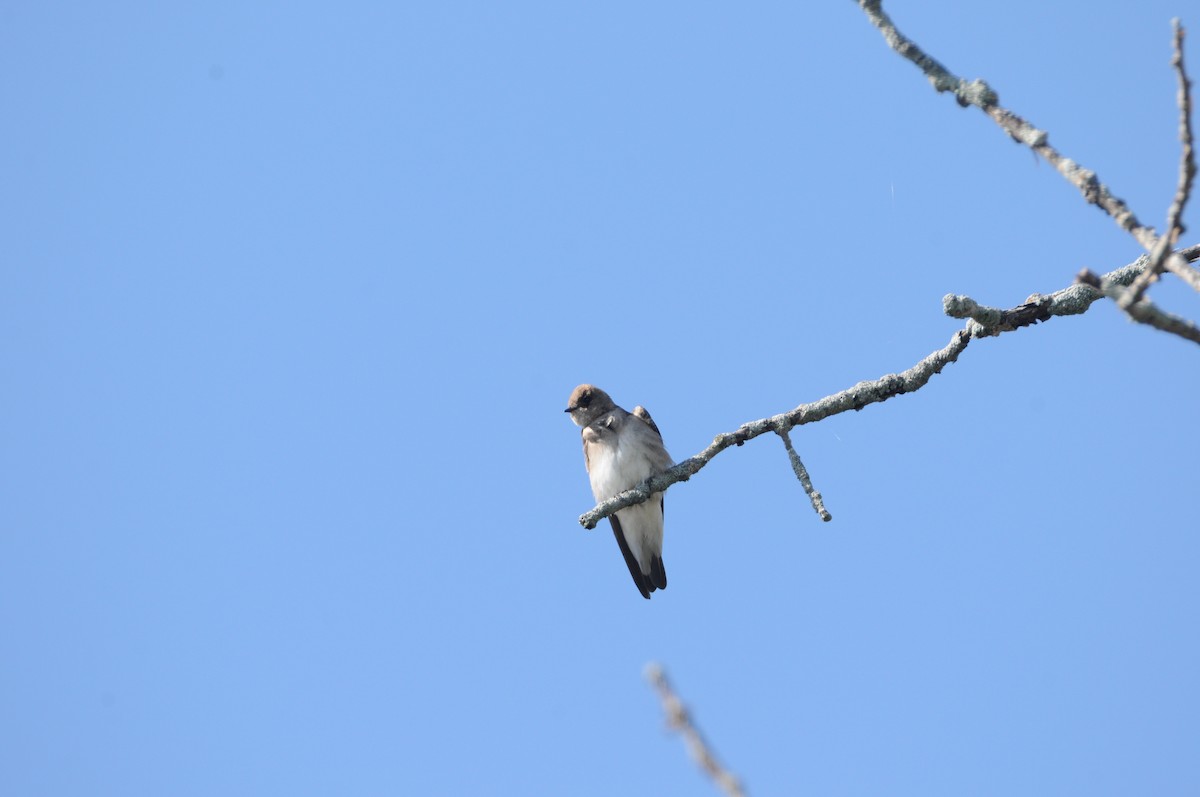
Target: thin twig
{"type": "Point", "coordinates": [680, 719]}
{"type": "Point", "coordinates": [1147, 313]}
{"type": "Point", "coordinates": [802, 474]}
{"type": "Point", "coordinates": [1187, 155]}
{"type": "Point", "coordinates": [1187, 172]}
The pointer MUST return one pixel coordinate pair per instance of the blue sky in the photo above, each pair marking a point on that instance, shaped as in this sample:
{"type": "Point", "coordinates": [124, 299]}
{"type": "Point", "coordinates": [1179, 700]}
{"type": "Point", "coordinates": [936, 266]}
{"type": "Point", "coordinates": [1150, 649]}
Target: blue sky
{"type": "Point", "coordinates": [293, 299]}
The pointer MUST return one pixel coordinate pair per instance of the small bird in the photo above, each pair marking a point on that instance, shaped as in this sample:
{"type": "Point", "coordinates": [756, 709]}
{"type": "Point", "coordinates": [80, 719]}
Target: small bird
{"type": "Point", "coordinates": [621, 450]}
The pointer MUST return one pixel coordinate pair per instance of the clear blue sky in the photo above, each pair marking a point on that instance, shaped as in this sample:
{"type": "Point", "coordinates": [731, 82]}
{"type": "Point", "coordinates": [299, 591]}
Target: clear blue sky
{"type": "Point", "coordinates": [293, 298]}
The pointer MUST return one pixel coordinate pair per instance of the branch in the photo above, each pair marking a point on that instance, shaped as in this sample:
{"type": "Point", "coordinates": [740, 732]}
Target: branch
{"type": "Point", "coordinates": [853, 398]}
{"type": "Point", "coordinates": [1187, 171]}
{"type": "Point", "coordinates": [979, 94]}
{"type": "Point", "coordinates": [985, 322]}
{"type": "Point", "coordinates": [1146, 312]}
{"type": "Point", "coordinates": [1073, 300]}
{"type": "Point", "coordinates": [680, 720]}
{"type": "Point", "coordinates": [805, 482]}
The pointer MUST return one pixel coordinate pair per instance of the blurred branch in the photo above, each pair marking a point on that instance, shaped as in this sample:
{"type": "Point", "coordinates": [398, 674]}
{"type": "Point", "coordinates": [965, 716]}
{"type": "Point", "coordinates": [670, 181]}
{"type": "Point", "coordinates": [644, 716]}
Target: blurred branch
{"type": "Point", "coordinates": [986, 321]}
{"type": "Point", "coordinates": [1146, 312]}
{"type": "Point", "coordinates": [680, 719]}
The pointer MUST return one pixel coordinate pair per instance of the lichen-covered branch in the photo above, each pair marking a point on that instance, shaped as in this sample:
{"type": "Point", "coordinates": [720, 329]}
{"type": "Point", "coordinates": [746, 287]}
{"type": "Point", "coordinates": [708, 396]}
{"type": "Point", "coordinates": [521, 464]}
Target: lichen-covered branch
{"type": "Point", "coordinates": [680, 720]}
{"type": "Point", "coordinates": [985, 322]}
{"type": "Point", "coordinates": [802, 474]}
{"type": "Point", "coordinates": [1072, 300]}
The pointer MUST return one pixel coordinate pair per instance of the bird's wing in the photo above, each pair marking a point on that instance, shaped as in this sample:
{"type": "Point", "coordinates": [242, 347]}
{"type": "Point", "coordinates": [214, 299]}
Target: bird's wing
{"type": "Point", "coordinates": [635, 570]}
{"type": "Point", "coordinates": [650, 440]}
{"type": "Point", "coordinates": [644, 414]}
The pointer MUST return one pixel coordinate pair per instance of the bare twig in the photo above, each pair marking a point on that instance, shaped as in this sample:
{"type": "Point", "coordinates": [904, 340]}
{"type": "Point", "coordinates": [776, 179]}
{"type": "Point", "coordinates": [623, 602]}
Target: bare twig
{"type": "Point", "coordinates": [1147, 313]}
{"type": "Point", "coordinates": [1159, 253]}
{"type": "Point", "coordinates": [1072, 300]}
{"type": "Point", "coordinates": [802, 475]}
{"type": "Point", "coordinates": [1187, 161]}
{"type": "Point", "coordinates": [680, 719]}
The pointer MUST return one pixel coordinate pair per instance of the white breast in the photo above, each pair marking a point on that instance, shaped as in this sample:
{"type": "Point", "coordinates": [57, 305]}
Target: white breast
{"type": "Point", "coordinates": [616, 460]}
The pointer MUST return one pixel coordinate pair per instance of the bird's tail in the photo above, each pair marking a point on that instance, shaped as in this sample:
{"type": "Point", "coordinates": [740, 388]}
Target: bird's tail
{"type": "Point", "coordinates": [658, 574]}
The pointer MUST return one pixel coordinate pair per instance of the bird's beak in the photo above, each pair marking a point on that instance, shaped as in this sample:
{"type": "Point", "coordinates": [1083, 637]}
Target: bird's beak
{"type": "Point", "coordinates": [570, 409]}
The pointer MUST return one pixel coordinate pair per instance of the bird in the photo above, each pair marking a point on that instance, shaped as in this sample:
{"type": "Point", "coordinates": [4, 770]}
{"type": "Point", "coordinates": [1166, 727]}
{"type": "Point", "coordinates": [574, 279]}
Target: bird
{"type": "Point", "coordinates": [620, 450]}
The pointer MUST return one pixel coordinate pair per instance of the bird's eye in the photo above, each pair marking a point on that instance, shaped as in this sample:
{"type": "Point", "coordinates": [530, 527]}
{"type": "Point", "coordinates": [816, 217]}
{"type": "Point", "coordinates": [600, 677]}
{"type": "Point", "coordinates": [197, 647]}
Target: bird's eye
{"type": "Point", "coordinates": [585, 400]}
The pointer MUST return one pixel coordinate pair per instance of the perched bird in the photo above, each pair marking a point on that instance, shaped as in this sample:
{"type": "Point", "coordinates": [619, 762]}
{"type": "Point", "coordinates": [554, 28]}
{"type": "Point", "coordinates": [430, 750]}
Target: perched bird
{"type": "Point", "coordinates": [621, 450]}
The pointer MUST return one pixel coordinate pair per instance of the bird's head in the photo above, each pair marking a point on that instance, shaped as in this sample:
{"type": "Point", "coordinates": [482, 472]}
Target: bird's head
{"type": "Point", "coordinates": [587, 403]}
